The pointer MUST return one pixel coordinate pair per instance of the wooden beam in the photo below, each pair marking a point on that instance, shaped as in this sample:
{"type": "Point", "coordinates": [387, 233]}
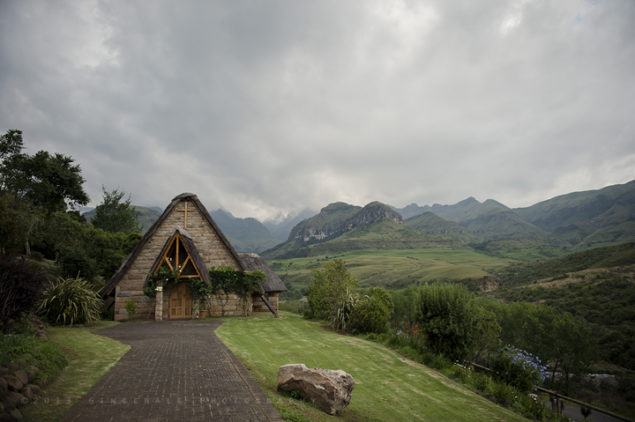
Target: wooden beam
{"type": "Point", "coordinates": [184, 211]}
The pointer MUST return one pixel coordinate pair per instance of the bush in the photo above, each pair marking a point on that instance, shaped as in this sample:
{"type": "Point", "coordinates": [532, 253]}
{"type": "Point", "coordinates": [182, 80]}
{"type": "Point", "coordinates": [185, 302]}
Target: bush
{"type": "Point", "coordinates": [70, 301]}
{"type": "Point", "coordinates": [371, 313]}
{"type": "Point", "coordinates": [446, 314]}
{"type": "Point", "coordinates": [131, 308]}
{"type": "Point", "coordinates": [503, 393]}
{"type": "Point", "coordinates": [518, 368]}
{"type": "Point", "coordinates": [20, 287]}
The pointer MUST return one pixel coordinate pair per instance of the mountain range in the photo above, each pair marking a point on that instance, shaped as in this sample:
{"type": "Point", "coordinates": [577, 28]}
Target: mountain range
{"type": "Point", "coordinates": [570, 222]}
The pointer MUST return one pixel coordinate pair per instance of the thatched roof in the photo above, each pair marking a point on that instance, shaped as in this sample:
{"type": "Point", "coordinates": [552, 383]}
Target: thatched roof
{"type": "Point", "coordinates": [252, 261]}
{"type": "Point", "coordinates": [152, 230]}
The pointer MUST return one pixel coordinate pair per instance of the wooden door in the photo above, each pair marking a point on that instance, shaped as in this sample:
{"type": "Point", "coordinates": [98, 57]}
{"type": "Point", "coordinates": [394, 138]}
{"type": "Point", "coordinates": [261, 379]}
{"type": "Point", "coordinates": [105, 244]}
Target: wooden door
{"type": "Point", "coordinates": [180, 301]}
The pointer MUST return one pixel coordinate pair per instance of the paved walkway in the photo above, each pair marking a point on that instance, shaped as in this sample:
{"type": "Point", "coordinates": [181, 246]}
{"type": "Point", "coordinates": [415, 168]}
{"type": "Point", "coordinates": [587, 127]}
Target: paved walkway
{"type": "Point", "coordinates": [174, 371]}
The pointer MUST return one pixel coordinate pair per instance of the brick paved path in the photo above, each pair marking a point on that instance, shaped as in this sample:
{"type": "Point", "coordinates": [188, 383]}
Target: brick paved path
{"type": "Point", "coordinates": [174, 371]}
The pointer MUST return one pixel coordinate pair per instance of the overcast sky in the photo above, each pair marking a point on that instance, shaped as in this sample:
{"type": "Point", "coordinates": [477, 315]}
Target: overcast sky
{"type": "Point", "coordinates": [268, 107]}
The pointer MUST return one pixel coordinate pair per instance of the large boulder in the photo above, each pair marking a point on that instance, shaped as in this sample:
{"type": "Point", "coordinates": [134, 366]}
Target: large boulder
{"type": "Point", "coordinates": [328, 389]}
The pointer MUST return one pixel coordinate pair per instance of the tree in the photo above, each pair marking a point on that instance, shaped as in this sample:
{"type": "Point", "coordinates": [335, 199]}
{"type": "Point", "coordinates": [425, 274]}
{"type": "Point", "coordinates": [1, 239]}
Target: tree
{"type": "Point", "coordinates": [487, 332]}
{"type": "Point", "coordinates": [48, 181]}
{"type": "Point", "coordinates": [446, 314]}
{"type": "Point", "coordinates": [115, 214]}
{"type": "Point", "coordinates": [556, 337]}
{"type": "Point", "coordinates": [329, 286]}
{"type": "Point", "coordinates": [11, 143]}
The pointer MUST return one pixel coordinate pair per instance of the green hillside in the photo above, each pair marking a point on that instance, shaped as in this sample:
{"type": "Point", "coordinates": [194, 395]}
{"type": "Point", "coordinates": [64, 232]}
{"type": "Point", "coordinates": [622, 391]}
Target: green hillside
{"type": "Point", "coordinates": [466, 210]}
{"type": "Point", "coordinates": [502, 224]}
{"type": "Point", "coordinates": [431, 224]}
{"type": "Point", "coordinates": [527, 273]}
{"type": "Point", "coordinates": [393, 268]}
{"type": "Point", "coordinates": [587, 218]}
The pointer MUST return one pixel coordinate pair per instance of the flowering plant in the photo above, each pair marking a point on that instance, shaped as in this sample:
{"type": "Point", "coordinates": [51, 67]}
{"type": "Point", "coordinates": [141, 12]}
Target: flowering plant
{"type": "Point", "coordinates": [519, 368]}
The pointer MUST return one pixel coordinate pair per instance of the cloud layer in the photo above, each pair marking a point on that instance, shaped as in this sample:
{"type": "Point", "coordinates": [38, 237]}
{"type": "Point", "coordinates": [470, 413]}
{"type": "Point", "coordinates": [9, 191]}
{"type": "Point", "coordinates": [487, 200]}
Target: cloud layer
{"type": "Point", "coordinates": [270, 107]}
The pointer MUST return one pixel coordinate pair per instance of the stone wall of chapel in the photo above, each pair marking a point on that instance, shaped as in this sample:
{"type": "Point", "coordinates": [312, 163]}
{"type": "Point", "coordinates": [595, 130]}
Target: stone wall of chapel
{"type": "Point", "coordinates": [209, 245]}
{"type": "Point", "coordinates": [260, 306]}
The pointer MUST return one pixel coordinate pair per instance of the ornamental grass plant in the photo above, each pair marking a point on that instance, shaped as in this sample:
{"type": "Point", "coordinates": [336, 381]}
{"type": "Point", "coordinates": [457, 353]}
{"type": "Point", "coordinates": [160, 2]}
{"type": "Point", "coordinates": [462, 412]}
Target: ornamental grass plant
{"type": "Point", "coordinates": [69, 301]}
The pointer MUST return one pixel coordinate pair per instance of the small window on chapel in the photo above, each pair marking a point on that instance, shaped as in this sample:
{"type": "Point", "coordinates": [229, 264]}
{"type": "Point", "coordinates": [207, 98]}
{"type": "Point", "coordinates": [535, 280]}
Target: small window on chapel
{"type": "Point", "coordinates": [177, 257]}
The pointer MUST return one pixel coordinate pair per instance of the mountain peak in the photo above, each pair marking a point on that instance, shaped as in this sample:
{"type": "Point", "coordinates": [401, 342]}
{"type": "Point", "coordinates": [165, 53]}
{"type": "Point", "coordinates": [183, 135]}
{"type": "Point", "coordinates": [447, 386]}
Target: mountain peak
{"type": "Point", "coordinates": [492, 203]}
{"type": "Point", "coordinates": [336, 207]}
{"type": "Point", "coordinates": [372, 213]}
{"type": "Point", "coordinates": [468, 201]}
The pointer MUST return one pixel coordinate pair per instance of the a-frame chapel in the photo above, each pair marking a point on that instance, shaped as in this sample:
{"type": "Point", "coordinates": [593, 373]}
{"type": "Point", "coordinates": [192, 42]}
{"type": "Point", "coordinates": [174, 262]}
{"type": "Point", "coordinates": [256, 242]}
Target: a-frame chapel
{"type": "Point", "coordinates": [185, 234]}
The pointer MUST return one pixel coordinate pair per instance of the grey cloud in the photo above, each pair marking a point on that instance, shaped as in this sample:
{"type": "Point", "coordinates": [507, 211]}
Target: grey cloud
{"type": "Point", "coordinates": [272, 107]}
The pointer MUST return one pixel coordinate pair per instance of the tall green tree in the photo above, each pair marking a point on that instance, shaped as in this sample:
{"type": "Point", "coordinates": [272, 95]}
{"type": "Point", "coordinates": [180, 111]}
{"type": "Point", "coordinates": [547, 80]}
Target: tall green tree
{"type": "Point", "coordinates": [116, 214]}
{"type": "Point", "coordinates": [448, 319]}
{"type": "Point", "coordinates": [33, 187]}
{"type": "Point", "coordinates": [329, 287]}
{"type": "Point", "coordinates": [49, 181]}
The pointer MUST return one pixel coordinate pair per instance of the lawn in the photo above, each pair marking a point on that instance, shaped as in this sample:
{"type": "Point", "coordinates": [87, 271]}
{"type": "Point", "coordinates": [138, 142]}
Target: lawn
{"type": "Point", "coordinates": [89, 357]}
{"type": "Point", "coordinates": [395, 268]}
{"type": "Point", "coordinates": [387, 386]}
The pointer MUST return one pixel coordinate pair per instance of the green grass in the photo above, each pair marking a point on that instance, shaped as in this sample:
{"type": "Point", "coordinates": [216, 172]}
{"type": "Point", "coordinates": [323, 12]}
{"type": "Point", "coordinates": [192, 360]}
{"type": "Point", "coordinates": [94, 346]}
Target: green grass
{"type": "Point", "coordinates": [394, 268]}
{"type": "Point", "coordinates": [387, 386]}
{"type": "Point", "coordinates": [89, 357]}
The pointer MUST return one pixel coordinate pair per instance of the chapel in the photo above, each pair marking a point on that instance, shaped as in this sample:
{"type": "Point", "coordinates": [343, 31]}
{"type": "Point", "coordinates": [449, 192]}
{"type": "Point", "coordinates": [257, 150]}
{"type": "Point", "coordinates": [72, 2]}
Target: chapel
{"type": "Point", "coordinates": [186, 238]}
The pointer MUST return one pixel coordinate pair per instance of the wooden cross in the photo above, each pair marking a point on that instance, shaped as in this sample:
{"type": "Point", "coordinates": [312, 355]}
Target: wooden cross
{"type": "Point", "coordinates": [185, 211]}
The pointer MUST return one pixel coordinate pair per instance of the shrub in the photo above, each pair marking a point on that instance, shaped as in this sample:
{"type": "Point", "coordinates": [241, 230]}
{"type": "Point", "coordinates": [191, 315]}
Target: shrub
{"type": "Point", "coordinates": [131, 308]}
{"type": "Point", "coordinates": [518, 368]}
{"type": "Point", "coordinates": [70, 301]}
{"type": "Point", "coordinates": [371, 313]}
{"type": "Point", "coordinates": [446, 314]}
{"type": "Point", "coordinates": [503, 393]}
{"type": "Point", "coordinates": [20, 287]}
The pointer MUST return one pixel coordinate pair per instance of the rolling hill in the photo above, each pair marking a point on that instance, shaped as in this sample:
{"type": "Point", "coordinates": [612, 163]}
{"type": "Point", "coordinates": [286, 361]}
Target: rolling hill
{"type": "Point", "coordinates": [589, 218]}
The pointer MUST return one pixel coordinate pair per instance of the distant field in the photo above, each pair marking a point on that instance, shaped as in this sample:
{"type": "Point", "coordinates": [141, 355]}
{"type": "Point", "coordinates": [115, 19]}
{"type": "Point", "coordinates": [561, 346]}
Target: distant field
{"type": "Point", "coordinates": [388, 387]}
{"type": "Point", "coordinates": [394, 268]}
